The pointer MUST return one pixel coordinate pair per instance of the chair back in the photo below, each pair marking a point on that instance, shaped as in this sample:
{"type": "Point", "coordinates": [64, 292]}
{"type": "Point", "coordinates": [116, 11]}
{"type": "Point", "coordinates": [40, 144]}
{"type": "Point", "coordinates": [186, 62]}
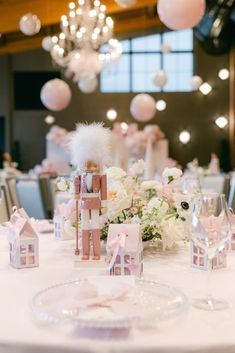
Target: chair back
{"type": "Point", "coordinates": [4, 207]}
{"type": "Point", "coordinates": [11, 185]}
{"type": "Point", "coordinates": [30, 197]}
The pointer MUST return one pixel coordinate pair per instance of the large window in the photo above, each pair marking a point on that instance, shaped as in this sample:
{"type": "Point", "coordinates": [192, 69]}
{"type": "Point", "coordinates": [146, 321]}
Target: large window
{"type": "Point", "coordinates": [142, 57]}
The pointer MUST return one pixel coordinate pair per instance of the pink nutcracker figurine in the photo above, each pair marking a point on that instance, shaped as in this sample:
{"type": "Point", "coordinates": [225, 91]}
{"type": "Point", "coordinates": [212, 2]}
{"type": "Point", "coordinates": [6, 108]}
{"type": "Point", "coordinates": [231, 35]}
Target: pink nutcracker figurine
{"type": "Point", "coordinates": [90, 148]}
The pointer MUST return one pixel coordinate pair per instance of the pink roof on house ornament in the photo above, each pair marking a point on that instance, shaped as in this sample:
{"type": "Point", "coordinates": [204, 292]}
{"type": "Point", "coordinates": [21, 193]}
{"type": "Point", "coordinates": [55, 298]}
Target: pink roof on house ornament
{"type": "Point", "coordinates": [21, 226]}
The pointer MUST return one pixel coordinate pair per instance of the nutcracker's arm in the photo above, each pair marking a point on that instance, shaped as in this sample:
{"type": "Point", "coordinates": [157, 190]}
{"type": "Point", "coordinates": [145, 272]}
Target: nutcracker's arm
{"type": "Point", "coordinates": [103, 191]}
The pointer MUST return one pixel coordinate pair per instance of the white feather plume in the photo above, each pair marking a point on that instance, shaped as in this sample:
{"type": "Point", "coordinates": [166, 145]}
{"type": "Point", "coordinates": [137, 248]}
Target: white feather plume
{"type": "Point", "coordinates": [90, 143]}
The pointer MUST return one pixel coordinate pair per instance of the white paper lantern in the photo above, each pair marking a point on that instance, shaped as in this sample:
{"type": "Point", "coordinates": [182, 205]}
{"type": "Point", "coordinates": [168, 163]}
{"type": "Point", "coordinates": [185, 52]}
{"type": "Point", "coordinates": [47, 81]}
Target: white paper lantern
{"type": "Point", "coordinates": [160, 78]}
{"type": "Point", "coordinates": [166, 48]}
{"type": "Point", "coordinates": [30, 24]}
{"type": "Point", "coordinates": [142, 107]}
{"type": "Point", "coordinates": [56, 95]}
{"type": "Point", "coordinates": [125, 3]}
{"type": "Point", "coordinates": [47, 43]}
{"type": "Point", "coordinates": [88, 83]}
{"type": "Point", "coordinates": [196, 82]}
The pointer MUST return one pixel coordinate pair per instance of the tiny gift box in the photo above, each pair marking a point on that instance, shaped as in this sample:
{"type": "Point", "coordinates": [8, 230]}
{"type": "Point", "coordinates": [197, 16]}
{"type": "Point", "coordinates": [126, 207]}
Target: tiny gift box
{"type": "Point", "coordinates": [125, 250]}
{"type": "Point", "coordinates": [23, 241]}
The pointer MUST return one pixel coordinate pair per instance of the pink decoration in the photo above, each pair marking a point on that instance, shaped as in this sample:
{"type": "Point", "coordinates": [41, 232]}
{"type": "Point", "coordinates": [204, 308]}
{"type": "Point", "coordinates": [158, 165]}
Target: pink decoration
{"type": "Point", "coordinates": [29, 24]}
{"type": "Point", "coordinates": [124, 249]}
{"type": "Point", "coordinates": [180, 14]}
{"type": "Point", "coordinates": [56, 95]}
{"type": "Point", "coordinates": [45, 168]}
{"type": "Point", "coordinates": [23, 241]}
{"type": "Point", "coordinates": [143, 107]}
{"type": "Point", "coordinates": [136, 144]}
{"type": "Point", "coordinates": [84, 63]}
{"type": "Point", "coordinates": [58, 135]}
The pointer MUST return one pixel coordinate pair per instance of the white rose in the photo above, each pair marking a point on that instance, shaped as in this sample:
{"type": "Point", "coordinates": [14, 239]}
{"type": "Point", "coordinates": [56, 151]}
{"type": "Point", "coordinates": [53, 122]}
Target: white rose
{"type": "Point", "coordinates": [149, 184]}
{"type": "Point", "coordinates": [62, 185]}
{"type": "Point", "coordinates": [115, 173]}
{"type": "Point", "coordinates": [170, 174]}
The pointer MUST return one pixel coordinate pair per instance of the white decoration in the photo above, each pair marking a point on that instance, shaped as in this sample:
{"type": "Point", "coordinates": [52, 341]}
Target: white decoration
{"type": "Point", "coordinates": [88, 83]}
{"type": "Point", "coordinates": [205, 88]}
{"type": "Point", "coordinates": [49, 119]}
{"type": "Point", "coordinates": [47, 43]}
{"type": "Point", "coordinates": [196, 82]}
{"type": "Point", "coordinates": [30, 24]}
{"type": "Point", "coordinates": [160, 78]}
{"type": "Point", "coordinates": [166, 48]}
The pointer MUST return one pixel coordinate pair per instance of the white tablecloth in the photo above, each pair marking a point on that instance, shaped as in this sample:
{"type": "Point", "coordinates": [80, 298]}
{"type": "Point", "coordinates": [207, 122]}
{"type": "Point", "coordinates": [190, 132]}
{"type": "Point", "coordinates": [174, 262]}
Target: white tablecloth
{"type": "Point", "coordinates": [194, 331]}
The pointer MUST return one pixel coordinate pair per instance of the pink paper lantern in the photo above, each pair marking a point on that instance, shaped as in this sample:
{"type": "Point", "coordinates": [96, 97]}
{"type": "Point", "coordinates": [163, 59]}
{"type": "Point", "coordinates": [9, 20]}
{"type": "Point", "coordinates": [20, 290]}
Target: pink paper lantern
{"type": "Point", "coordinates": [56, 95]}
{"type": "Point", "coordinates": [143, 107]}
{"type": "Point", "coordinates": [180, 14]}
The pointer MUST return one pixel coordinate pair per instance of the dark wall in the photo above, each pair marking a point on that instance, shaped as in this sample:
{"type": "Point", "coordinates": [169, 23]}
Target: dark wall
{"type": "Point", "coordinates": [191, 111]}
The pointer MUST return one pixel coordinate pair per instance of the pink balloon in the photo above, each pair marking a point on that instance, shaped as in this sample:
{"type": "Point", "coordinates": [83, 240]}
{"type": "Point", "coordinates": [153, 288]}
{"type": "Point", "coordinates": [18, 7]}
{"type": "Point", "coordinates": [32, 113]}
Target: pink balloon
{"type": "Point", "coordinates": [56, 95]}
{"type": "Point", "coordinates": [180, 14]}
{"type": "Point", "coordinates": [143, 107]}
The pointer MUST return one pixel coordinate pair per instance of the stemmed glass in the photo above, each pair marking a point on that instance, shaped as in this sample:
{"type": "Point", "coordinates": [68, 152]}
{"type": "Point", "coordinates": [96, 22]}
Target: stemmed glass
{"type": "Point", "coordinates": [210, 231]}
{"type": "Point", "coordinates": [191, 186]}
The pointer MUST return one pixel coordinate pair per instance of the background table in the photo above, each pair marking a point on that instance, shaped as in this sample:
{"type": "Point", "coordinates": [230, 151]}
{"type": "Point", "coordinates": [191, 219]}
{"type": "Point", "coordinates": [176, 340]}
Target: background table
{"type": "Point", "coordinates": [194, 331]}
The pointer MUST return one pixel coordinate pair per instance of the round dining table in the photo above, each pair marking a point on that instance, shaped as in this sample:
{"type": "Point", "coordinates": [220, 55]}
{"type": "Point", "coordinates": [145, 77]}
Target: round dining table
{"type": "Point", "coordinates": [192, 331]}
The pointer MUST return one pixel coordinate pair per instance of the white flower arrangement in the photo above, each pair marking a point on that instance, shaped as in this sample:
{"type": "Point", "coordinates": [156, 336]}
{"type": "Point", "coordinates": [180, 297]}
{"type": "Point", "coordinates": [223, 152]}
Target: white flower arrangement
{"type": "Point", "coordinates": [155, 205]}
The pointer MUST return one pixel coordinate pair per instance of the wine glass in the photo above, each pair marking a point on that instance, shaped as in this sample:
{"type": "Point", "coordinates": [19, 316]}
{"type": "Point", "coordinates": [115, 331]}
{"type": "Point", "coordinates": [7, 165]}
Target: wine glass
{"type": "Point", "coordinates": [191, 185]}
{"type": "Point", "coordinates": [210, 231]}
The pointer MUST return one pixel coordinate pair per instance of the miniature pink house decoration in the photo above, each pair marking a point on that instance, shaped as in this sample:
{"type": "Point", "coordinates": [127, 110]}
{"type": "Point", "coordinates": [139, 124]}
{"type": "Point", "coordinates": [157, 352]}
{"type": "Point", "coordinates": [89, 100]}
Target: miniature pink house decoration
{"type": "Point", "coordinates": [125, 250]}
{"type": "Point", "coordinates": [199, 259]}
{"type": "Point", "coordinates": [23, 239]}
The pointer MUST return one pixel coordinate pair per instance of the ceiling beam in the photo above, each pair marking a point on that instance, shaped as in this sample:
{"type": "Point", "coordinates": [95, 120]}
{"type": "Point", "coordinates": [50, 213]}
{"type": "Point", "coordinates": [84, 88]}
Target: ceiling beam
{"type": "Point", "coordinates": [49, 11]}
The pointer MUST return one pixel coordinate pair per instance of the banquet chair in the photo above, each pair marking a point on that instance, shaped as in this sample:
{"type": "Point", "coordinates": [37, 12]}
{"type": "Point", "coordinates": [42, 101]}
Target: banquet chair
{"type": "Point", "coordinates": [48, 187]}
{"type": "Point", "coordinates": [4, 207]}
{"type": "Point", "coordinates": [13, 197]}
{"type": "Point", "coordinates": [30, 197]}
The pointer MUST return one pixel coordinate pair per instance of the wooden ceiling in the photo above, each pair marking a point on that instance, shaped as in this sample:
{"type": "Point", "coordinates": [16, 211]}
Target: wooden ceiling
{"type": "Point", "coordinates": [138, 19]}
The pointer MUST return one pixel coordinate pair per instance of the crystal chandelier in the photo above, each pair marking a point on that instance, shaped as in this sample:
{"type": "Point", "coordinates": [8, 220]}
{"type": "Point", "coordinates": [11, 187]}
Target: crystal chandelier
{"type": "Point", "coordinates": [78, 48]}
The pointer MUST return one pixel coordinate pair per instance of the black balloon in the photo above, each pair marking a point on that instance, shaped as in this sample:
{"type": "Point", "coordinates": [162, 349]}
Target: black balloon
{"type": "Point", "coordinates": [216, 31]}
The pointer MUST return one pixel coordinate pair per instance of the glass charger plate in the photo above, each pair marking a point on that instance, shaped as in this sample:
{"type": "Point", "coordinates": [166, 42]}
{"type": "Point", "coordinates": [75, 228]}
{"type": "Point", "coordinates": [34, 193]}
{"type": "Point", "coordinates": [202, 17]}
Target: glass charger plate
{"type": "Point", "coordinates": [149, 302]}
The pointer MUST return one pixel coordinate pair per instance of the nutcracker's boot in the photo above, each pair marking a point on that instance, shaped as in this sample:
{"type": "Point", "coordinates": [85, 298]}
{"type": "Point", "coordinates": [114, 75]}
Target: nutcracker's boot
{"type": "Point", "coordinates": [96, 244]}
{"type": "Point", "coordinates": [85, 244]}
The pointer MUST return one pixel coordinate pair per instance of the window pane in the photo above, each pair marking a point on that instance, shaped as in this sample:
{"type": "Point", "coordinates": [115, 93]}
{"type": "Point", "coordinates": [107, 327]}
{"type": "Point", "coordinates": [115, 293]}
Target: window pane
{"type": "Point", "coordinates": [179, 40]}
{"type": "Point", "coordinates": [179, 69]}
{"type": "Point", "coordinates": [146, 44]}
{"type": "Point", "coordinates": [117, 77]}
{"type": "Point", "coordinates": [143, 68]}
